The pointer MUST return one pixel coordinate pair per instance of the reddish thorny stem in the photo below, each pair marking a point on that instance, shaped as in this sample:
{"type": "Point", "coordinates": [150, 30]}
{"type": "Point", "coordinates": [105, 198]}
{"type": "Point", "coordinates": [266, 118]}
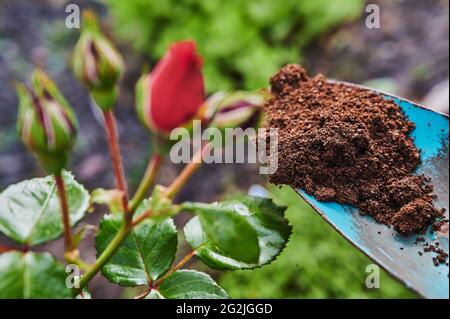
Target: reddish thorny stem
{"type": "Point", "coordinates": [68, 241]}
{"type": "Point", "coordinates": [111, 130]}
{"type": "Point", "coordinates": [187, 171]}
{"type": "Point", "coordinates": [179, 265]}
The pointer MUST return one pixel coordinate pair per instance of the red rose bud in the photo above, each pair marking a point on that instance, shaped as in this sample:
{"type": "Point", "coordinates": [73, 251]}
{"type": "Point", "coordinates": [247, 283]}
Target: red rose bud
{"type": "Point", "coordinates": [174, 91]}
{"type": "Point", "coordinates": [96, 63]}
{"type": "Point", "coordinates": [234, 109]}
{"type": "Point", "coordinates": [46, 122]}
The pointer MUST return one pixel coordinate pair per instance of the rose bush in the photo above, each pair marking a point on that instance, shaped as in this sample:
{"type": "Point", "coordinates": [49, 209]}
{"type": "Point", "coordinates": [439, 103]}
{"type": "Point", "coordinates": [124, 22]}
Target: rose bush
{"type": "Point", "coordinates": [137, 241]}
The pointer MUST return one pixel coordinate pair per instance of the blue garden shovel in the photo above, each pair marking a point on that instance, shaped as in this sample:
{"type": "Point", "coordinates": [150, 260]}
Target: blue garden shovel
{"type": "Point", "coordinates": [398, 254]}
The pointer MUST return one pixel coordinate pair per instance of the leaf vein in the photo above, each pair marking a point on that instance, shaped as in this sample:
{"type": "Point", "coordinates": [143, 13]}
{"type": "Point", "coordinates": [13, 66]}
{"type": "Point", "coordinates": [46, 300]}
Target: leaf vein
{"type": "Point", "coordinates": [41, 213]}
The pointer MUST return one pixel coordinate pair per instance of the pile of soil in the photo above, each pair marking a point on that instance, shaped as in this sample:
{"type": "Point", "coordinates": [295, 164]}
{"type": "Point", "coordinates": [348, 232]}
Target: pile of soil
{"type": "Point", "coordinates": [348, 145]}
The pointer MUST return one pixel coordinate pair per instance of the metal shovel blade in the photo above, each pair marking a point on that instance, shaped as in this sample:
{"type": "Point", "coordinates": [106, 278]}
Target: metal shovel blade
{"type": "Point", "coordinates": [398, 254]}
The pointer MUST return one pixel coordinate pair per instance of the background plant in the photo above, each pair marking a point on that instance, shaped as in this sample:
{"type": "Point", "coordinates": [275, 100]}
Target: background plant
{"type": "Point", "coordinates": [244, 41]}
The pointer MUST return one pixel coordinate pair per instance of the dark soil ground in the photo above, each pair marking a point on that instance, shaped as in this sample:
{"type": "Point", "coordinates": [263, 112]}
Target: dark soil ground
{"type": "Point", "coordinates": [410, 48]}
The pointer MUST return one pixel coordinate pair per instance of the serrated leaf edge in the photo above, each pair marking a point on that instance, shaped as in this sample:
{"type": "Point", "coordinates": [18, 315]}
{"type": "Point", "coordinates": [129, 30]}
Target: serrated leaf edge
{"type": "Point", "coordinates": [196, 272]}
{"type": "Point", "coordinates": [250, 266]}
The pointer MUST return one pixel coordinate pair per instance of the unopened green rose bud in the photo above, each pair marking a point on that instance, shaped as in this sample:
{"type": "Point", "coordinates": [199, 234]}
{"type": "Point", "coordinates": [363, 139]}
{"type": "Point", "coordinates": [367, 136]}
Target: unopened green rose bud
{"type": "Point", "coordinates": [96, 63]}
{"type": "Point", "coordinates": [46, 123]}
{"type": "Point", "coordinates": [234, 109]}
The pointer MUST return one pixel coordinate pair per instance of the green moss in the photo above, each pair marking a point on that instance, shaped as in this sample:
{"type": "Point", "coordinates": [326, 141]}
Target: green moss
{"type": "Point", "coordinates": [317, 263]}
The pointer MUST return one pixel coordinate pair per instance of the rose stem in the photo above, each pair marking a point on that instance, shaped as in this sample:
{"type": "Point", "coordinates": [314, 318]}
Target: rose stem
{"type": "Point", "coordinates": [65, 212]}
{"type": "Point", "coordinates": [180, 264]}
{"type": "Point", "coordinates": [111, 130]}
{"type": "Point", "coordinates": [149, 176]}
{"type": "Point", "coordinates": [106, 254]}
{"type": "Point", "coordinates": [187, 172]}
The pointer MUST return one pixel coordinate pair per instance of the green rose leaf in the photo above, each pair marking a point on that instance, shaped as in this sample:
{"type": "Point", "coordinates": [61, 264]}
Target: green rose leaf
{"type": "Point", "coordinates": [263, 215]}
{"type": "Point", "coordinates": [188, 284]}
{"type": "Point", "coordinates": [32, 275]}
{"type": "Point", "coordinates": [30, 210]}
{"type": "Point", "coordinates": [228, 228]}
{"type": "Point", "coordinates": [146, 254]}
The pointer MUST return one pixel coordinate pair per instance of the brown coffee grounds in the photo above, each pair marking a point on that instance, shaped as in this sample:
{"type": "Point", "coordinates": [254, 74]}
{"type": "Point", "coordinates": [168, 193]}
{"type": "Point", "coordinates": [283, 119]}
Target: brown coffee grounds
{"type": "Point", "coordinates": [440, 254]}
{"type": "Point", "coordinates": [348, 145]}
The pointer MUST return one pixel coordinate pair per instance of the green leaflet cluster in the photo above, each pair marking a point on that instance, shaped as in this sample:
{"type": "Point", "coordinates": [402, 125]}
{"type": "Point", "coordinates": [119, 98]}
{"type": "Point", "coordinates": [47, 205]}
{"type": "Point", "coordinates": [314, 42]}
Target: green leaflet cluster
{"type": "Point", "coordinates": [30, 210]}
{"type": "Point", "coordinates": [243, 233]}
{"type": "Point", "coordinates": [146, 255]}
{"type": "Point", "coordinates": [30, 215]}
{"type": "Point", "coordinates": [269, 235]}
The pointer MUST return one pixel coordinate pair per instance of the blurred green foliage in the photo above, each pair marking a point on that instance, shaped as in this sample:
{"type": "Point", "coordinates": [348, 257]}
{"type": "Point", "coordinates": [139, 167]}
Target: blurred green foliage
{"type": "Point", "coordinates": [243, 42]}
{"type": "Point", "coordinates": [317, 263]}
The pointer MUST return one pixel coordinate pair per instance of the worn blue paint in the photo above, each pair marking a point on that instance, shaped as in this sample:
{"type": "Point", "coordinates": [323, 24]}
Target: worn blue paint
{"type": "Point", "coordinates": [417, 272]}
